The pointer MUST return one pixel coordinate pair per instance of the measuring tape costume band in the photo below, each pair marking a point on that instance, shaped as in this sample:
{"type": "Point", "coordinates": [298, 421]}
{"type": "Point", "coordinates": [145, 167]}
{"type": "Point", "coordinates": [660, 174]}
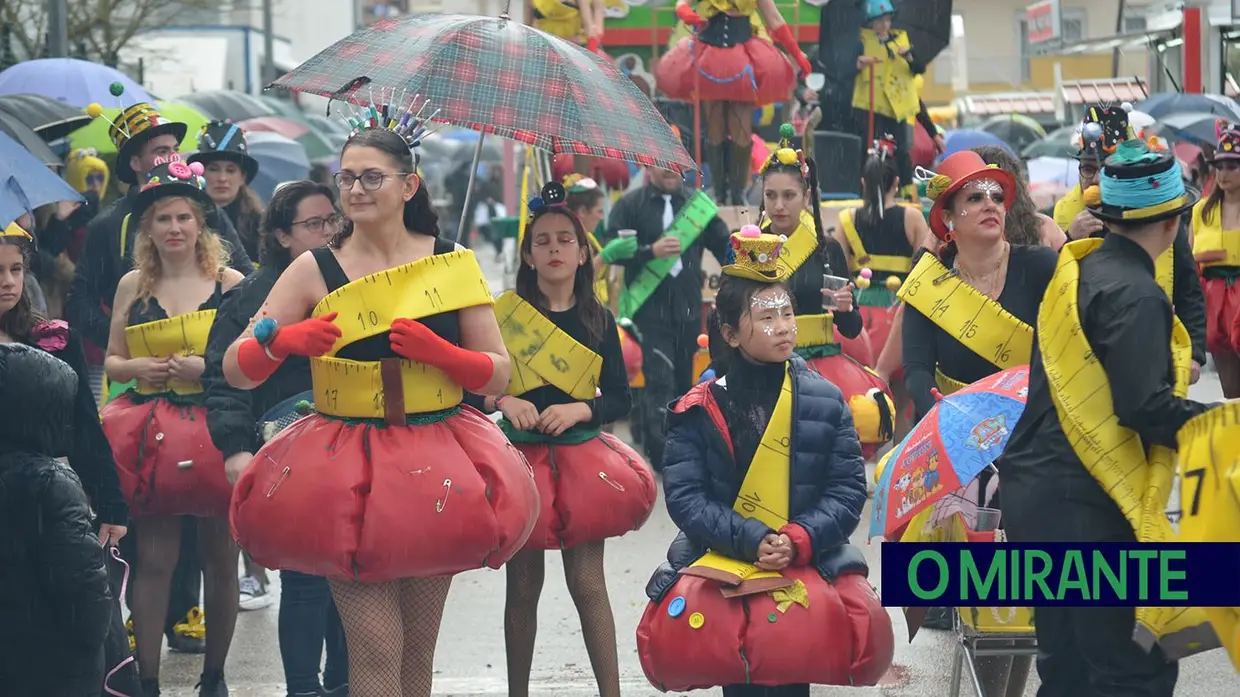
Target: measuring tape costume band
{"type": "Point", "coordinates": [165, 459]}
{"type": "Point", "coordinates": [786, 623]}
{"type": "Point", "coordinates": [1114, 455]}
{"type": "Point", "coordinates": [542, 353]}
{"type": "Point", "coordinates": [860, 257]}
{"type": "Point", "coordinates": [976, 321]}
{"type": "Point", "coordinates": [687, 226]}
{"type": "Point", "coordinates": [350, 493]}
{"type": "Point", "coordinates": [1210, 491]}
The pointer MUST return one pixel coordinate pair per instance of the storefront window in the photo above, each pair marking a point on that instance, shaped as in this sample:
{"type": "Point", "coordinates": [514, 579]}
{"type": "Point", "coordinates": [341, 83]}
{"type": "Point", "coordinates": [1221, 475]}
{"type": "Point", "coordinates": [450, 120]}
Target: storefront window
{"type": "Point", "coordinates": [1231, 64]}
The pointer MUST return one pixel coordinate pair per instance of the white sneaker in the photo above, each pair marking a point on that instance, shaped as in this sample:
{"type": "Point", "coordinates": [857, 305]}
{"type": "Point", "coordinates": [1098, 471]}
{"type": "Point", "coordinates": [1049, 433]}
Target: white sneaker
{"type": "Point", "coordinates": [253, 595]}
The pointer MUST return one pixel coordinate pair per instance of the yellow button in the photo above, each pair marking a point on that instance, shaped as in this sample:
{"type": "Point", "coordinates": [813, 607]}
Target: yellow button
{"type": "Point", "coordinates": [696, 620]}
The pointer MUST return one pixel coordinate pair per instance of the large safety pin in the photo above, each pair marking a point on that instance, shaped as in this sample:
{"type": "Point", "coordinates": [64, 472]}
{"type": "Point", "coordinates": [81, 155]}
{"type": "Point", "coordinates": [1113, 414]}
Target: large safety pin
{"type": "Point", "coordinates": [950, 274]}
{"type": "Point", "coordinates": [616, 485]}
{"type": "Point", "coordinates": [447, 489]}
{"type": "Point", "coordinates": [271, 492]}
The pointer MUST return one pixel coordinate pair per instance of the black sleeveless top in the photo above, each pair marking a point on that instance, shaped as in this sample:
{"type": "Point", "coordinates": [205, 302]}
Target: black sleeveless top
{"type": "Point", "coordinates": [805, 284]}
{"type": "Point", "coordinates": [375, 348]}
{"type": "Point", "coordinates": [149, 310]}
{"type": "Point", "coordinates": [886, 238]}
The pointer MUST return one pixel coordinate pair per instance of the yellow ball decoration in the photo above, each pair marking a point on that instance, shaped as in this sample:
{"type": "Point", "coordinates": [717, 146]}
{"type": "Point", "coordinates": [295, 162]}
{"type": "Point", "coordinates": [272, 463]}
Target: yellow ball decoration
{"type": "Point", "coordinates": [786, 156]}
{"type": "Point", "coordinates": [1092, 197]}
{"type": "Point", "coordinates": [893, 283]}
{"type": "Point", "coordinates": [937, 185]}
{"type": "Point", "coordinates": [863, 282]}
{"type": "Point", "coordinates": [95, 110]}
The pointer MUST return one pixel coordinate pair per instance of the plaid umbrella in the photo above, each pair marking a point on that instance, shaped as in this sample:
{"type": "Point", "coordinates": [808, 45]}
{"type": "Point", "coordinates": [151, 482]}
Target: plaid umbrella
{"type": "Point", "coordinates": [497, 76]}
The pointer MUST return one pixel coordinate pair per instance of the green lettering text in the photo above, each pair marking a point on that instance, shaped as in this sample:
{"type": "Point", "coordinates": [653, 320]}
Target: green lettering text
{"type": "Point", "coordinates": [1143, 558]}
{"type": "Point", "coordinates": [1037, 576]}
{"type": "Point", "coordinates": [944, 576]}
{"type": "Point", "coordinates": [1072, 576]}
{"type": "Point", "coordinates": [970, 577]}
{"type": "Point", "coordinates": [1102, 567]}
{"type": "Point", "coordinates": [1167, 574]}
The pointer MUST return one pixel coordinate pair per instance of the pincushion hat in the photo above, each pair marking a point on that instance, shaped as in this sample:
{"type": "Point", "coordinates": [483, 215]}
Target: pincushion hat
{"type": "Point", "coordinates": [1228, 147]}
{"type": "Point", "coordinates": [172, 177]}
{"type": "Point", "coordinates": [1140, 184]}
{"type": "Point", "coordinates": [753, 255]}
{"type": "Point", "coordinates": [134, 127]}
{"type": "Point", "coordinates": [224, 140]}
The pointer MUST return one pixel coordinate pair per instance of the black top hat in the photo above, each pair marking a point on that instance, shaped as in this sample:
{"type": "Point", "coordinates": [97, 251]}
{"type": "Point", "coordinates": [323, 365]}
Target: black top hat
{"type": "Point", "coordinates": [172, 177]}
{"type": "Point", "coordinates": [133, 128]}
{"type": "Point", "coordinates": [224, 140]}
{"type": "Point", "coordinates": [1140, 184]}
{"type": "Point", "coordinates": [1102, 130]}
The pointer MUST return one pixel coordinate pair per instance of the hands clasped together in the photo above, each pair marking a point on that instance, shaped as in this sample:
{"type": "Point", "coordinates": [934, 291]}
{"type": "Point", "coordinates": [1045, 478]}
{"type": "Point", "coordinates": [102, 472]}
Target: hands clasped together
{"type": "Point", "coordinates": [553, 421]}
{"type": "Point", "coordinates": [775, 553]}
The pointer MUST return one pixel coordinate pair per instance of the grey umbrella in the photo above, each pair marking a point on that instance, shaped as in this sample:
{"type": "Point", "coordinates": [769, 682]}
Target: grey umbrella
{"type": "Point", "coordinates": [28, 139]}
{"type": "Point", "coordinates": [279, 160]}
{"type": "Point", "coordinates": [50, 118]}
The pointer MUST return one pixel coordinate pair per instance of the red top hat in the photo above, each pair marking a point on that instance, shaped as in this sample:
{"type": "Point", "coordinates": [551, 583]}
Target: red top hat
{"type": "Point", "coordinates": [954, 172]}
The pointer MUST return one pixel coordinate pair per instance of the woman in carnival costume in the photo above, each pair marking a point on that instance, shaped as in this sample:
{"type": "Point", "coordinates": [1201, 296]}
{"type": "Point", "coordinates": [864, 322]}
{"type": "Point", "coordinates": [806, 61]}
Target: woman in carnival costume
{"type": "Point", "coordinates": [394, 485]}
{"type": "Point", "coordinates": [790, 202]}
{"type": "Point", "coordinates": [585, 200]}
{"type": "Point", "coordinates": [731, 65]}
{"type": "Point", "coordinates": [167, 464]}
{"type": "Point", "coordinates": [1216, 247]}
{"type": "Point", "coordinates": [223, 151]}
{"type": "Point", "coordinates": [572, 20]}
{"type": "Point", "coordinates": [754, 597]}
{"type": "Point", "coordinates": [568, 381]}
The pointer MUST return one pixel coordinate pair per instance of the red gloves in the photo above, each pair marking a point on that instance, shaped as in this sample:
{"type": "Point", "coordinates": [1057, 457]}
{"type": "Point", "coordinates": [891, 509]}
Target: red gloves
{"type": "Point", "coordinates": [783, 35]}
{"type": "Point", "coordinates": [800, 542]}
{"type": "Point", "coordinates": [310, 337]}
{"type": "Point", "coordinates": [594, 44]}
{"type": "Point", "coordinates": [469, 369]}
{"type": "Point", "coordinates": [687, 15]}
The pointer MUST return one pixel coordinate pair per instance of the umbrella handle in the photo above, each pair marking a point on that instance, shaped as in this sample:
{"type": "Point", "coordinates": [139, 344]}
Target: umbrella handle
{"type": "Point", "coordinates": [469, 193]}
{"type": "Point", "coordinates": [870, 141]}
{"type": "Point", "coordinates": [934, 392]}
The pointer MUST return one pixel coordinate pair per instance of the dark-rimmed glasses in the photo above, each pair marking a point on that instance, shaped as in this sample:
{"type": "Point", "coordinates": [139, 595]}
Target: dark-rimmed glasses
{"type": "Point", "coordinates": [316, 225]}
{"type": "Point", "coordinates": [371, 179]}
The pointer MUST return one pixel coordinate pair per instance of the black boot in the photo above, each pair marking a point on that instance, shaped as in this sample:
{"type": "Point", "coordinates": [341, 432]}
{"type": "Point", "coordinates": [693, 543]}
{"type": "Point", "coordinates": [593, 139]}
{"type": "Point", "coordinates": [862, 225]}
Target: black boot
{"type": "Point", "coordinates": [713, 154]}
{"type": "Point", "coordinates": [741, 172]}
{"type": "Point", "coordinates": [212, 685]}
{"type": "Point", "coordinates": [150, 688]}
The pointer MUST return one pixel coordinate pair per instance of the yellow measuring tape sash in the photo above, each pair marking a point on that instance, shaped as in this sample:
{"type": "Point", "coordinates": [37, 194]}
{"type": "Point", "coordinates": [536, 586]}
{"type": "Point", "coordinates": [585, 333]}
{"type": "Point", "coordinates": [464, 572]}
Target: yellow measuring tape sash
{"type": "Point", "coordinates": [1210, 497]}
{"type": "Point", "coordinates": [763, 496]}
{"type": "Point", "coordinates": [429, 286]}
{"type": "Point", "coordinates": [860, 257]}
{"type": "Point", "coordinates": [181, 335]}
{"type": "Point", "coordinates": [815, 330]}
{"type": "Point", "coordinates": [1164, 271]}
{"type": "Point", "coordinates": [948, 385]}
{"type": "Point", "coordinates": [976, 321]}
{"type": "Point", "coordinates": [542, 353]}
{"type": "Point", "coordinates": [1111, 453]}
{"type": "Point", "coordinates": [1209, 239]}
{"type": "Point", "coordinates": [799, 246]}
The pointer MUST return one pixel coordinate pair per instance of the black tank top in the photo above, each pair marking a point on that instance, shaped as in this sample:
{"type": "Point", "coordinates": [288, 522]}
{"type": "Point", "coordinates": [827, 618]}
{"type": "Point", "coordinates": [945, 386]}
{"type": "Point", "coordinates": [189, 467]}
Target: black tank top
{"type": "Point", "coordinates": [149, 310]}
{"type": "Point", "coordinates": [887, 238]}
{"type": "Point", "coordinates": [375, 348]}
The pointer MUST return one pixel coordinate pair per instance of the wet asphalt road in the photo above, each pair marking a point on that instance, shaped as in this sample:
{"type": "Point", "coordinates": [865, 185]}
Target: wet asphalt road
{"type": "Point", "coordinates": [470, 655]}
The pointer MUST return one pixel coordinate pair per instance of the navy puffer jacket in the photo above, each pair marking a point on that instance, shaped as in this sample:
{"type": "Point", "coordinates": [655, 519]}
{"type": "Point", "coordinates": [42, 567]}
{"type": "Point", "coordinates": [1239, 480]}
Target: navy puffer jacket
{"type": "Point", "coordinates": [700, 481]}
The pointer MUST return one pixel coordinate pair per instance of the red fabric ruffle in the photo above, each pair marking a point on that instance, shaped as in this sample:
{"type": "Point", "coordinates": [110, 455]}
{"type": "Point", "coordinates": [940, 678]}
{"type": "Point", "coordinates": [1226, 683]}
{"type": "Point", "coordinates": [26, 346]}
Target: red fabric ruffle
{"type": "Point", "coordinates": [150, 440]}
{"type": "Point", "coordinates": [1222, 308]}
{"type": "Point", "coordinates": [860, 348]}
{"type": "Point", "coordinates": [360, 502]}
{"type": "Point", "coordinates": [844, 637]}
{"type": "Point", "coordinates": [754, 71]}
{"type": "Point", "coordinates": [877, 322]}
{"type": "Point", "coordinates": [591, 491]}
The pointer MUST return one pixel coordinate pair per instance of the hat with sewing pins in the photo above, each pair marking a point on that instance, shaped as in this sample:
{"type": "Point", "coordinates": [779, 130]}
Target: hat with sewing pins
{"type": "Point", "coordinates": [172, 177]}
{"type": "Point", "coordinates": [135, 126]}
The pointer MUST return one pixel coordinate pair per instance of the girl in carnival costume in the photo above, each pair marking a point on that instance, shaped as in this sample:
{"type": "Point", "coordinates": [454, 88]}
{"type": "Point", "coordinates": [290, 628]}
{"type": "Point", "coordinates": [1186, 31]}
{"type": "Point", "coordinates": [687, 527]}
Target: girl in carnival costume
{"type": "Point", "coordinates": [167, 463]}
{"type": "Point", "coordinates": [731, 65]}
{"type": "Point", "coordinates": [572, 20]}
{"type": "Point", "coordinates": [795, 606]}
{"type": "Point", "coordinates": [790, 203]}
{"type": "Point", "coordinates": [1216, 247]}
{"type": "Point", "coordinates": [568, 381]}
{"type": "Point", "coordinates": [585, 200]}
{"type": "Point", "coordinates": [394, 485]}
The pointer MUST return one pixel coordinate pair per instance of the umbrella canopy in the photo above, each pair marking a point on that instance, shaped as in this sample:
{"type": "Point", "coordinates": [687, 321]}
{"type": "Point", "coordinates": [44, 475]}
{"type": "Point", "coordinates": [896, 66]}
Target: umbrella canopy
{"type": "Point", "coordinates": [1163, 105]}
{"type": "Point", "coordinates": [280, 160]}
{"type": "Point", "coordinates": [77, 83]}
{"type": "Point", "coordinates": [1057, 143]}
{"type": "Point", "coordinates": [320, 142]}
{"type": "Point", "coordinates": [1057, 171]}
{"type": "Point", "coordinates": [228, 105]}
{"type": "Point", "coordinates": [967, 139]}
{"type": "Point", "coordinates": [95, 134]}
{"type": "Point", "coordinates": [274, 124]}
{"type": "Point", "coordinates": [25, 183]}
{"type": "Point", "coordinates": [499, 75]}
{"type": "Point", "coordinates": [1196, 128]}
{"type": "Point", "coordinates": [51, 119]}
{"type": "Point", "coordinates": [1016, 130]}
{"type": "Point", "coordinates": [927, 22]}
{"type": "Point", "coordinates": [22, 135]}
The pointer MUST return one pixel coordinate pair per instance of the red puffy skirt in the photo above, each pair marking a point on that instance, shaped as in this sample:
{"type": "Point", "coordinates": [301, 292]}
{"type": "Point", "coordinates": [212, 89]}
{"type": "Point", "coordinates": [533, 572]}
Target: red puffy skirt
{"type": "Point", "coordinates": [361, 502]}
{"type": "Point", "coordinates": [859, 348]}
{"type": "Point", "coordinates": [754, 71]}
{"type": "Point", "coordinates": [590, 491]}
{"type": "Point", "coordinates": [1222, 305]}
{"type": "Point", "coordinates": [844, 637]}
{"type": "Point", "coordinates": [165, 459]}
{"type": "Point", "coordinates": [877, 322]}
{"type": "Point", "coordinates": [855, 382]}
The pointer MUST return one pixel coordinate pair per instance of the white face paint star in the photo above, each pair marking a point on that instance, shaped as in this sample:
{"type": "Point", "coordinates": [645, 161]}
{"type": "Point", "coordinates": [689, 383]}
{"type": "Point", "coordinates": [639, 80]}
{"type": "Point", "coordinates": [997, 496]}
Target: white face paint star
{"type": "Point", "coordinates": [777, 301]}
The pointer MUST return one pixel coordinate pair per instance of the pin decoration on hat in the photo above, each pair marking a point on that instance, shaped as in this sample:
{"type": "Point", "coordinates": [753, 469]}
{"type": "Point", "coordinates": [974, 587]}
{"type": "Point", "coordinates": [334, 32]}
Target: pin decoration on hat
{"type": "Point", "coordinates": [753, 255]}
{"type": "Point", "coordinates": [1228, 135]}
{"type": "Point", "coordinates": [225, 141]}
{"type": "Point", "coordinates": [785, 155]}
{"type": "Point", "coordinates": [132, 127]}
{"type": "Point", "coordinates": [577, 183]}
{"type": "Point", "coordinates": [552, 194]}
{"type": "Point", "coordinates": [409, 122]}
{"type": "Point", "coordinates": [1140, 183]}
{"type": "Point", "coordinates": [1103, 129]}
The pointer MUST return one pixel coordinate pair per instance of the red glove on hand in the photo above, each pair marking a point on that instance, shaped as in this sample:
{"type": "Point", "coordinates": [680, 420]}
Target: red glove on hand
{"type": "Point", "coordinates": [784, 36]}
{"type": "Point", "coordinates": [469, 369]}
{"type": "Point", "coordinates": [310, 337]}
{"type": "Point", "coordinates": [687, 15]}
{"type": "Point", "coordinates": [594, 45]}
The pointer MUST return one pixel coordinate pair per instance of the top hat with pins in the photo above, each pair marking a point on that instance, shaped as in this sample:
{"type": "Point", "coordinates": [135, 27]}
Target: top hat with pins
{"type": "Point", "coordinates": [225, 141]}
{"type": "Point", "coordinates": [1102, 130]}
{"type": "Point", "coordinates": [132, 128]}
{"type": "Point", "coordinates": [1228, 148]}
{"type": "Point", "coordinates": [172, 177]}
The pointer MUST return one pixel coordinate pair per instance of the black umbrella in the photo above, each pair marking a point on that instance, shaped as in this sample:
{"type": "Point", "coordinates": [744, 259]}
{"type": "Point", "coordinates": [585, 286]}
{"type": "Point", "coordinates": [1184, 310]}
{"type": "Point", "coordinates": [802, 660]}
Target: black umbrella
{"type": "Point", "coordinates": [28, 139]}
{"type": "Point", "coordinates": [50, 118]}
{"type": "Point", "coordinates": [927, 22]}
{"type": "Point", "coordinates": [228, 105]}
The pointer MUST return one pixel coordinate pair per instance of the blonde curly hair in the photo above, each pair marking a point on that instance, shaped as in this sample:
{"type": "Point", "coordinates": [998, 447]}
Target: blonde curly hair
{"type": "Point", "coordinates": [210, 251]}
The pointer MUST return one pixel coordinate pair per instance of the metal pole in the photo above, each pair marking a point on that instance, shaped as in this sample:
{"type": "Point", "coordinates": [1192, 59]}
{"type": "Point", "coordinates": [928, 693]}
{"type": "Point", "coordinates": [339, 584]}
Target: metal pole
{"type": "Point", "coordinates": [58, 28]}
{"type": "Point", "coordinates": [269, 59]}
{"type": "Point", "coordinates": [469, 193]}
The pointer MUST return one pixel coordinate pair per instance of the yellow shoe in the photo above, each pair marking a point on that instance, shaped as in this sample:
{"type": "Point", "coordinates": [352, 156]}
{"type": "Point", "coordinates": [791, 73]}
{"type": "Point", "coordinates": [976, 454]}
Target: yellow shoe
{"type": "Point", "coordinates": [189, 636]}
{"type": "Point", "coordinates": [133, 643]}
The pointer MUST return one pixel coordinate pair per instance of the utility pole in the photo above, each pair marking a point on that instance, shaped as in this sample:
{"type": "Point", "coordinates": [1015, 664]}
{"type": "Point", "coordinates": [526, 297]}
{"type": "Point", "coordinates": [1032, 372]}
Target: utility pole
{"type": "Point", "coordinates": [1119, 29]}
{"type": "Point", "coordinates": [58, 28]}
{"type": "Point", "coordinates": [269, 58]}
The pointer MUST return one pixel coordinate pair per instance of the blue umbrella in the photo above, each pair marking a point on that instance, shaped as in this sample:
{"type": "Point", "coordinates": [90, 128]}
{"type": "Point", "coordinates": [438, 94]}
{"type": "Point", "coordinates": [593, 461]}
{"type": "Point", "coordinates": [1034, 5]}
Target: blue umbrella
{"type": "Point", "coordinates": [75, 82]}
{"type": "Point", "coordinates": [1167, 104]}
{"type": "Point", "coordinates": [26, 183]}
{"type": "Point", "coordinates": [279, 160]}
{"type": "Point", "coordinates": [967, 139]}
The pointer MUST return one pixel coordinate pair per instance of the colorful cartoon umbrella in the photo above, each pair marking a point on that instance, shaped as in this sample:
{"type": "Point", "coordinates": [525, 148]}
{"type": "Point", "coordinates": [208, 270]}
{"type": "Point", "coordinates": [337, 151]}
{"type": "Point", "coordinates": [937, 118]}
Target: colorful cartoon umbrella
{"type": "Point", "coordinates": [963, 434]}
{"type": "Point", "coordinates": [95, 135]}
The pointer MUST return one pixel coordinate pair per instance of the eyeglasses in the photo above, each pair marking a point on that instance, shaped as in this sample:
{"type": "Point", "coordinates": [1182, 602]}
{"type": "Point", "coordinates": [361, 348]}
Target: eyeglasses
{"type": "Point", "coordinates": [316, 225]}
{"type": "Point", "coordinates": [371, 180]}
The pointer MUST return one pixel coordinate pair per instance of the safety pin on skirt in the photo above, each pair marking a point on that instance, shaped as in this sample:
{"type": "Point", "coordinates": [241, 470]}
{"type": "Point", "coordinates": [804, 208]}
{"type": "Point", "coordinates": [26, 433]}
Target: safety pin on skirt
{"type": "Point", "coordinates": [443, 501]}
{"type": "Point", "coordinates": [615, 485]}
{"type": "Point", "coordinates": [272, 491]}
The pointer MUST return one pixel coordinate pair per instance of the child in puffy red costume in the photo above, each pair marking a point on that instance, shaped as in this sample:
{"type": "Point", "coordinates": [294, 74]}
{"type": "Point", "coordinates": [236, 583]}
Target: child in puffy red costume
{"type": "Point", "coordinates": [763, 475]}
{"type": "Point", "coordinates": [568, 380]}
{"type": "Point", "coordinates": [393, 485]}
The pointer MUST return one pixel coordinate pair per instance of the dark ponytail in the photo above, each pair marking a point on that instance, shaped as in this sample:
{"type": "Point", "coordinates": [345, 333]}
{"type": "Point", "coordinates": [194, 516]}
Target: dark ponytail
{"type": "Point", "coordinates": [878, 177]}
{"type": "Point", "coordinates": [419, 216]}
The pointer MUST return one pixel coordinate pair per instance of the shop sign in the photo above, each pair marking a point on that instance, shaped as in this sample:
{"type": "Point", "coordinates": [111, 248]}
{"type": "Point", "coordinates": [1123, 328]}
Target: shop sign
{"type": "Point", "coordinates": [1043, 23]}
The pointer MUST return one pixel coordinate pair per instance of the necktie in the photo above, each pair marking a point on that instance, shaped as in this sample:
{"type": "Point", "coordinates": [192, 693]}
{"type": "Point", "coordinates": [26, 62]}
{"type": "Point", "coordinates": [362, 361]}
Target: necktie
{"type": "Point", "coordinates": [668, 216]}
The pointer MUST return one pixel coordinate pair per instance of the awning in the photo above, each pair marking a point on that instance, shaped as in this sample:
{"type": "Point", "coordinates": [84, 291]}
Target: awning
{"type": "Point", "coordinates": [1114, 91]}
{"type": "Point", "coordinates": [1011, 103]}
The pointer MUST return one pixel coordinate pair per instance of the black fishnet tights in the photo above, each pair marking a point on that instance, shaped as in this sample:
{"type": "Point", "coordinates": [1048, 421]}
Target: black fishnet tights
{"type": "Point", "coordinates": [587, 584]}
{"type": "Point", "coordinates": [391, 629]}
{"type": "Point", "coordinates": [159, 547]}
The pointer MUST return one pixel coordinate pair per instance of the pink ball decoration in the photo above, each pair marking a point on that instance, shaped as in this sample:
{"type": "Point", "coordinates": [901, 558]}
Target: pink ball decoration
{"type": "Point", "coordinates": [196, 168]}
{"type": "Point", "coordinates": [866, 273]}
{"type": "Point", "coordinates": [179, 170]}
{"type": "Point", "coordinates": [751, 231]}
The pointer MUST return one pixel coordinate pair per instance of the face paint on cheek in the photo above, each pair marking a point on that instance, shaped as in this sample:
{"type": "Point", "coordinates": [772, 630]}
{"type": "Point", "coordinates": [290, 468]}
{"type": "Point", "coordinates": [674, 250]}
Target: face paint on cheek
{"type": "Point", "coordinates": [769, 330]}
{"type": "Point", "coordinates": [777, 301]}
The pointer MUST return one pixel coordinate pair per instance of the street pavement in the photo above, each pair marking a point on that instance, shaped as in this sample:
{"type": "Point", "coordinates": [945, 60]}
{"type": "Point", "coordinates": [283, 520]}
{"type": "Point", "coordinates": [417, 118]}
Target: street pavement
{"type": "Point", "coordinates": [470, 655]}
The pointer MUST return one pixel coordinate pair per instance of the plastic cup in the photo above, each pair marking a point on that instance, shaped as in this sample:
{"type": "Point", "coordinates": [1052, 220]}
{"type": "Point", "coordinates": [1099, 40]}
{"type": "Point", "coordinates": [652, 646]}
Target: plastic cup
{"type": "Point", "coordinates": [626, 233]}
{"type": "Point", "coordinates": [988, 519]}
{"type": "Point", "coordinates": [832, 284]}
